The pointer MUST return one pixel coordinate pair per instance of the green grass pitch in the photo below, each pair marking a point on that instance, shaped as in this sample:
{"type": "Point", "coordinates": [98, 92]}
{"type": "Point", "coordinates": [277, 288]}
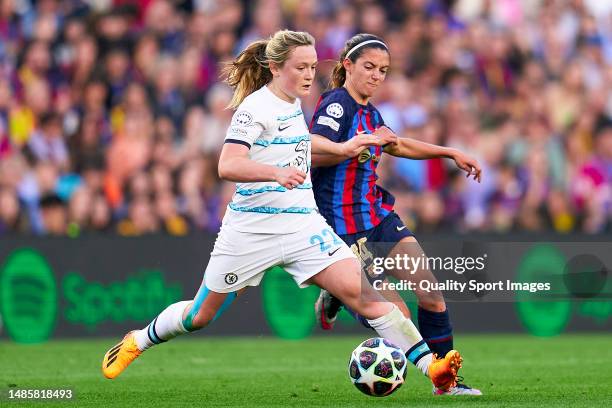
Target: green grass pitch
{"type": "Point", "coordinates": [512, 370]}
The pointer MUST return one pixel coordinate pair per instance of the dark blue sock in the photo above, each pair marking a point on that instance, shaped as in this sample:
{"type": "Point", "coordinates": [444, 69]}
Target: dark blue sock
{"type": "Point", "coordinates": [436, 330]}
{"type": "Point", "coordinates": [358, 317]}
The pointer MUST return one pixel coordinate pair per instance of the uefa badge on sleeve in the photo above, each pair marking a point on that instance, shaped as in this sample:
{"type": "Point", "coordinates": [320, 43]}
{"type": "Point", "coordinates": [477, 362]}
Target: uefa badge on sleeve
{"type": "Point", "coordinates": [243, 118]}
{"type": "Point", "coordinates": [335, 110]}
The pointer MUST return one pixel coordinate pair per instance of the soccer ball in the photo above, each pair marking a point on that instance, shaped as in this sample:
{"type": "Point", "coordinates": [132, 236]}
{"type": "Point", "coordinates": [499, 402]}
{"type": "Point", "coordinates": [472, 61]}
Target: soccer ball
{"type": "Point", "coordinates": [377, 367]}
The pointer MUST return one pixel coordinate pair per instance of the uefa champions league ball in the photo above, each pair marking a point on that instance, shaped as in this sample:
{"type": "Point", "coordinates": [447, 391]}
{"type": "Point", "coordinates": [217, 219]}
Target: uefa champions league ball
{"type": "Point", "coordinates": [377, 367]}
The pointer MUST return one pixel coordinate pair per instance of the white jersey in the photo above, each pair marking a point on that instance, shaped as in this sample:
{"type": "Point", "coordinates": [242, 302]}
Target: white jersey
{"type": "Point", "coordinates": [277, 135]}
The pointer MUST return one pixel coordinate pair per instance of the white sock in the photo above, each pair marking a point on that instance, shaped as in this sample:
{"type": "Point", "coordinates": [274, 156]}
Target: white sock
{"type": "Point", "coordinates": [400, 331]}
{"type": "Point", "coordinates": [167, 325]}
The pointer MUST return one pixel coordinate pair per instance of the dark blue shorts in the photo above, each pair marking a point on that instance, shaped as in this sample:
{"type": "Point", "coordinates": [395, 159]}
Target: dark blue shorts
{"type": "Point", "coordinates": [390, 230]}
{"type": "Point", "coordinates": [378, 241]}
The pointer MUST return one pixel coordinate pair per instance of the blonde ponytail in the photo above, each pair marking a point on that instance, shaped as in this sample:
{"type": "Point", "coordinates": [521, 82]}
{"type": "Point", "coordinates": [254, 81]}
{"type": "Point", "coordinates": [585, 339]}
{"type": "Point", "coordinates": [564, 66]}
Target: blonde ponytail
{"type": "Point", "coordinates": [251, 70]}
{"type": "Point", "coordinates": [248, 72]}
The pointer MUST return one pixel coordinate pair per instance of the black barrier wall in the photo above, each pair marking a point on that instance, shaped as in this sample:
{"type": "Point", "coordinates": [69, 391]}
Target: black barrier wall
{"type": "Point", "coordinates": [105, 286]}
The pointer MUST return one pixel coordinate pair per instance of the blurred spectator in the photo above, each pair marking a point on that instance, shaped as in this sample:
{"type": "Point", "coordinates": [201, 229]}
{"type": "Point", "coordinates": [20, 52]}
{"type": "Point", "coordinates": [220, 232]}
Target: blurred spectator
{"type": "Point", "coordinates": [212, 131]}
{"type": "Point", "coordinates": [101, 217]}
{"type": "Point", "coordinates": [592, 186]}
{"type": "Point", "coordinates": [117, 75]}
{"type": "Point", "coordinates": [47, 143]}
{"type": "Point", "coordinates": [11, 220]}
{"type": "Point", "coordinates": [79, 211]}
{"type": "Point", "coordinates": [141, 218]}
{"type": "Point", "coordinates": [53, 214]}
{"type": "Point", "coordinates": [112, 113]}
{"type": "Point", "coordinates": [38, 183]}
{"type": "Point", "coordinates": [173, 223]}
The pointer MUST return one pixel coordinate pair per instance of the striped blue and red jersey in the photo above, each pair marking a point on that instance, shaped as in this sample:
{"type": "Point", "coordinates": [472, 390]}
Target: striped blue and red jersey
{"type": "Point", "coordinates": [347, 194]}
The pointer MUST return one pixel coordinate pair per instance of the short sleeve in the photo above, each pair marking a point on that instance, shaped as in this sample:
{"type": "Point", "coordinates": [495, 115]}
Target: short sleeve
{"type": "Point", "coordinates": [379, 120]}
{"type": "Point", "coordinates": [329, 119]}
{"type": "Point", "coordinates": [246, 126]}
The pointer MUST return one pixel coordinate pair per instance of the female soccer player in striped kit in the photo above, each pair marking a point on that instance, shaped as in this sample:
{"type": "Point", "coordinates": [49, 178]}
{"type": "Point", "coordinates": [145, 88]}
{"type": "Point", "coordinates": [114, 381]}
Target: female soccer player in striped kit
{"type": "Point", "coordinates": [347, 195]}
{"type": "Point", "coordinates": [273, 219]}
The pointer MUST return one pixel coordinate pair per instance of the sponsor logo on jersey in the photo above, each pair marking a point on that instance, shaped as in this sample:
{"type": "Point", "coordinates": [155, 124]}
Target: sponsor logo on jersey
{"type": "Point", "coordinates": [327, 121]}
{"type": "Point", "coordinates": [365, 155]}
{"type": "Point", "coordinates": [237, 132]}
{"type": "Point", "coordinates": [283, 126]}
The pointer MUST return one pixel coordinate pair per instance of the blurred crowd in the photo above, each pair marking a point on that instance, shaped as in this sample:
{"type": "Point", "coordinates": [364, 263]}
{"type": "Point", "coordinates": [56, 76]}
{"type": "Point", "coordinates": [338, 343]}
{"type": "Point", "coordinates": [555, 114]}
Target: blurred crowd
{"type": "Point", "coordinates": [112, 113]}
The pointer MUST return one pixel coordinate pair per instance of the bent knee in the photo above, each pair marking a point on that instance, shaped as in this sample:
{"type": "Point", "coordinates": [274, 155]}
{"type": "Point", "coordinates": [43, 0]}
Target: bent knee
{"type": "Point", "coordinates": [373, 309]}
{"type": "Point", "coordinates": [436, 304]}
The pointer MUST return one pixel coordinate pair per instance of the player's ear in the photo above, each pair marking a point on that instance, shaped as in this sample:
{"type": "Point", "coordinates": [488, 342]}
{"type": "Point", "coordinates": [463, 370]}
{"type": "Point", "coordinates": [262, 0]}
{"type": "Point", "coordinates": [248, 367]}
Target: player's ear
{"type": "Point", "coordinates": [347, 64]}
{"type": "Point", "coordinates": [274, 68]}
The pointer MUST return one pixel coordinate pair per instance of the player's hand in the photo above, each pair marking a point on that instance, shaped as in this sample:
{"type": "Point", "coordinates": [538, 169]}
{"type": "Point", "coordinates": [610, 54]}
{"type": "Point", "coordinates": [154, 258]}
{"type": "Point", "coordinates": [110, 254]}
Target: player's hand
{"type": "Point", "coordinates": [468, 164]}
{"type": "Point", "coordinates": [289, 177]}
{"type": "Point", "coordinates": [385, 136]}
{"type": "Point", "coordinates": [356, 144]}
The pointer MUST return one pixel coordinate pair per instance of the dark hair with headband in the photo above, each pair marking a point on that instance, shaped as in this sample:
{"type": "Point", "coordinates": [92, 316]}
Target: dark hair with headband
{"type": "Point", "coordinates": [352, 50]}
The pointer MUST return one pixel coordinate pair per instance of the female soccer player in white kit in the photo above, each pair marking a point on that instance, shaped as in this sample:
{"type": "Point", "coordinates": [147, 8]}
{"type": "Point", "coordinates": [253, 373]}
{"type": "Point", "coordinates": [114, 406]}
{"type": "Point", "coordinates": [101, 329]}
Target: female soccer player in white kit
{"type": "Point", "coordinates": [273, 219]}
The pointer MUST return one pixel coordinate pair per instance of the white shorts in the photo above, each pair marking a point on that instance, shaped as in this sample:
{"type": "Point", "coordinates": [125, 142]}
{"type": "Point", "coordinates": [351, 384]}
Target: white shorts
{"type": "Point", "coordinates": [239, 259]}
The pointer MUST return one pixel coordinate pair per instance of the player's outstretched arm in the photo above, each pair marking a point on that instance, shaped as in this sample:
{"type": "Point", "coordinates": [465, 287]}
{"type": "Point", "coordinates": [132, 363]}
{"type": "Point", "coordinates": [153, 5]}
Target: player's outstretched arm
{"type": "Point", "coordinates": [417, 150]}
{"type": "Point", "coordinates": [468, 164]}
{"type": "Point", "coordinates": [235, 165]}
{"type": "Point", "coordinates": [328, 153]}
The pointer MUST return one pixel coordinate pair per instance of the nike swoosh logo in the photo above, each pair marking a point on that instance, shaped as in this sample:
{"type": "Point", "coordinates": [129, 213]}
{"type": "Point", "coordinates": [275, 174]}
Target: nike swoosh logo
{"type": "Point", "coordinates": [330, 253]}
{"type": "Point", "coordinates": [400, 228]}
{"type": "Point", "coordinates": [280, 129]}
